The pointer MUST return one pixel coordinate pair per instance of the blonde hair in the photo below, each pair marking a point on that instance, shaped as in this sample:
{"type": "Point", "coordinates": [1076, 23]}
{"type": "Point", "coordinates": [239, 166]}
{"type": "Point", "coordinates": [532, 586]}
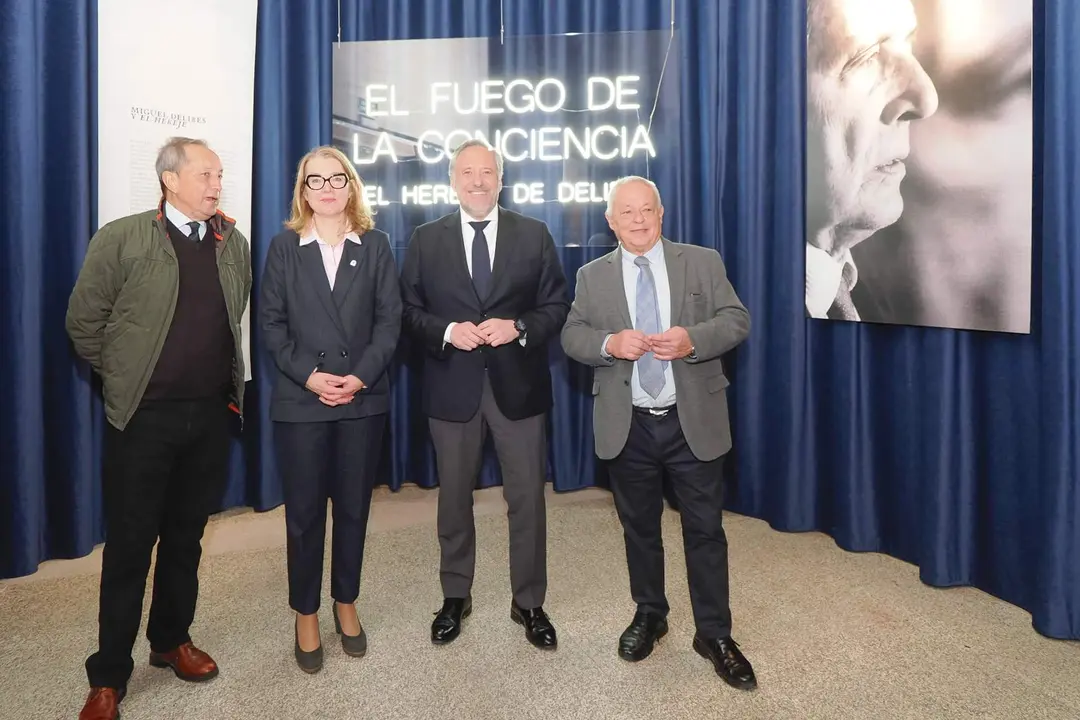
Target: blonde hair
{"type": "Point", "coordinates": [358, 215]}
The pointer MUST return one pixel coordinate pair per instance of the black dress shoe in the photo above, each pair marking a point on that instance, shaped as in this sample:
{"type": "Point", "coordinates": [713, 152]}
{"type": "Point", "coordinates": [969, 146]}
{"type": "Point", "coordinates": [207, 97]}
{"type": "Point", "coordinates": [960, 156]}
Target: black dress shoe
{"type": "Point", "coordinates": [636, 642]}
{"type": "Point", "coordinates": [730, 664]}
{"type": "Point", "coordinates": [538, 627]}
{"type": "Point", "coordinates": [447, 624]}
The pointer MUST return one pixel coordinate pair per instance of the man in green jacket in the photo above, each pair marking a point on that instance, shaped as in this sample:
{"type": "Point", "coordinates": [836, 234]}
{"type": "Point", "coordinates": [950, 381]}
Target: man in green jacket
{"type": "Point", "coordinates": [156, 312]}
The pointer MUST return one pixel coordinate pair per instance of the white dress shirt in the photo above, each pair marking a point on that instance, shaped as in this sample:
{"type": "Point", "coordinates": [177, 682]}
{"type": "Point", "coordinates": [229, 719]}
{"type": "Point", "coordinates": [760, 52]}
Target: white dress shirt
{"type": "Point", "coordinates": [630, 273]}
{"type": "Point", "coordinates": [491, 231]}
{"type": "Point", "coordinates": [180, 220]}
{"type": "Point", "coordinates": [331, 254]}
{"type": "Point", "coordinates": [823, 277]}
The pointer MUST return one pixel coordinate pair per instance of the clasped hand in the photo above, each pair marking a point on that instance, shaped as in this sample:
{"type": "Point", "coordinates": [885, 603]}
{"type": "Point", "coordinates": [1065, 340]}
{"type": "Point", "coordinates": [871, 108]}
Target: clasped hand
{"type": "Point", "coordinates": [334, 390]}
{"type": "Point", "coordinates": [493, 331]}
{"type": "Point", "coordinates": [673, 344]}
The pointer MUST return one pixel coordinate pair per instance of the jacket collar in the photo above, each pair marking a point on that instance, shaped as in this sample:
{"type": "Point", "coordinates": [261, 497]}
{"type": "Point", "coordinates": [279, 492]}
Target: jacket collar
{"type": "Point", "coordinates": [220, 224]}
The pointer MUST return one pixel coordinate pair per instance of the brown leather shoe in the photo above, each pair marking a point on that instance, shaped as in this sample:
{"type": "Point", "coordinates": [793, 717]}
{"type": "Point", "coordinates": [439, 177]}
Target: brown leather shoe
{"type": "Point", "coordinates": [188, 662]}
{"type": "Point", "coordinates": [102, 704]}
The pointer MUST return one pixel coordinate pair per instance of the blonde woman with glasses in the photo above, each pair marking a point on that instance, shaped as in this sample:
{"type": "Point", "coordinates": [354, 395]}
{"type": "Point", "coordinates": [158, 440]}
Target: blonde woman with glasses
{"type": "Point", "coordinates": [330, 314]}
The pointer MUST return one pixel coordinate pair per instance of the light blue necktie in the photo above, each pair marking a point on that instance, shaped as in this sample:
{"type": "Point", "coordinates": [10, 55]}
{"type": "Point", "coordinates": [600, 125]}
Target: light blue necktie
{"type": "Point", "coordinates": [650, 370]}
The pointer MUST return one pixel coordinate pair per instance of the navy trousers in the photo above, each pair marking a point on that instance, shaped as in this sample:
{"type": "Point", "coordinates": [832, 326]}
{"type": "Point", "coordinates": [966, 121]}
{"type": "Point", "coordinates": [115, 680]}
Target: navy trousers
{"type": "Point", "coordinates": [322, 461]}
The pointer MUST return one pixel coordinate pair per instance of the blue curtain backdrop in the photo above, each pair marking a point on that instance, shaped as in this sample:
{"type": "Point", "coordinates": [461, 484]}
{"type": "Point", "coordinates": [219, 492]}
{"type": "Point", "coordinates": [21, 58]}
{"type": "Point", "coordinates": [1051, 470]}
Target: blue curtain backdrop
{"type": "Point", "coordinates": [50, 417]}
{"type": "Point", "coordinates": [956, 451]}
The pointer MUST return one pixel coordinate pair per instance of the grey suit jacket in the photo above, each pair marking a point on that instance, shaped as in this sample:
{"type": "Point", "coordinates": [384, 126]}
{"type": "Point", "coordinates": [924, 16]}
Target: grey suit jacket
{"type": "Point", "coordinates": [702, 301]}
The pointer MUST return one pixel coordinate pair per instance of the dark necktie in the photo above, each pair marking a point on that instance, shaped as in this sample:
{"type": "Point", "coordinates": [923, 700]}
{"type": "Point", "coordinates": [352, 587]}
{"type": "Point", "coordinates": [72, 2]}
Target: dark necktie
{"type": "Point", "coordinates": [194, 234]}
{"type": "Point", "coordinates": [481, 260]}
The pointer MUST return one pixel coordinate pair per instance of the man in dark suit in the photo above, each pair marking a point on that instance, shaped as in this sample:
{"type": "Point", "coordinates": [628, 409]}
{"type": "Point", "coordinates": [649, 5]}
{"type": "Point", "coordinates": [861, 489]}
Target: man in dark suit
{"type": "Point", "coordinates": [653, 318]}
{"type": "Point", "coordinates": [484, 292]}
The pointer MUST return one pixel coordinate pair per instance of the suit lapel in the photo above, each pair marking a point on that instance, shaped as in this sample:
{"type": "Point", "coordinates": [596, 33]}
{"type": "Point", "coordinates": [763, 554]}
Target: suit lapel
{"type": "Point", "coordinates": [504, 250]}
{"type": "Point", "coordinates": [676, 271]}
{"type": "Point", "coordinates": [311, 261]}
{"type": "Point", "coordinates": [616, 285]}
{"type": "Point", "coordinates": [351, 257]}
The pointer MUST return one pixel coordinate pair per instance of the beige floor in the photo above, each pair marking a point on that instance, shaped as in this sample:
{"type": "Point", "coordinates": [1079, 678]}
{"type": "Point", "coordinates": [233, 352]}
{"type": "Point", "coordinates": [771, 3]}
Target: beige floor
{"type": "Point", "coordinates": [831, 634]}
{"type": "Point", "coordinates": [242, 530]}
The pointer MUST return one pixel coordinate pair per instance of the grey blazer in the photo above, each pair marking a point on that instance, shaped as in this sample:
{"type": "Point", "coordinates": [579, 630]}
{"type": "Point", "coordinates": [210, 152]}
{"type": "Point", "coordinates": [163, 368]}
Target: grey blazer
{"type": "Point", "coordinates": [702, 301]}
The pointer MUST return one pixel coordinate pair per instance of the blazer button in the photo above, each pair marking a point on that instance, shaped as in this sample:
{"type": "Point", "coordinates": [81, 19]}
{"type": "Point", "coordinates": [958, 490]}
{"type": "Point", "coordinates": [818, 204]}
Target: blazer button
{"type": "Point", "coordinates": [625, 382]}
{"type": "Point", "coordinates": [344, 354]}
{"type": "Point", "coordinates": [322, 354]}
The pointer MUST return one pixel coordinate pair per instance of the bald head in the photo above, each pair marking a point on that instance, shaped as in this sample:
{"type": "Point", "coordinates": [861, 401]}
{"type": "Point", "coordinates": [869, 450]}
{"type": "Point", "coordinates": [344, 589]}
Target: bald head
{"type": "Point", "coordinates": [613, 189]}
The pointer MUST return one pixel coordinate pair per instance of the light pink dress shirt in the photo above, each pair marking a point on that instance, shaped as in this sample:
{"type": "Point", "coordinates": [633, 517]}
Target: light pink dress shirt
{"type": "Point", "coordinates": [331, 254]}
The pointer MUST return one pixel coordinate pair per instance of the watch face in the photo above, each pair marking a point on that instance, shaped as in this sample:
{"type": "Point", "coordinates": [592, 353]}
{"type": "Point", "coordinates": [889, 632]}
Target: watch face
{"type": "Point", "coordinates": [519, 325]}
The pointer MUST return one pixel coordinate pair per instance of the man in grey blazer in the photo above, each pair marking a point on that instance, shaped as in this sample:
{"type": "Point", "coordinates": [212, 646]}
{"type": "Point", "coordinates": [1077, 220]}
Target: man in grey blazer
{"type": "Point", "coordinates": [653, 318]}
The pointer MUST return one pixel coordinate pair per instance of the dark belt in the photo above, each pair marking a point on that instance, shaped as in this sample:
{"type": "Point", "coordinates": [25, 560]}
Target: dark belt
{"type": "Point", "coordinates": [654, 412]}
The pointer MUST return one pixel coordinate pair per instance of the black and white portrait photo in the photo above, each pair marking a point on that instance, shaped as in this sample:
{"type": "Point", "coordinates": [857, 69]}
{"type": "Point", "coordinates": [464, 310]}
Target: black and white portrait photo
{"type": "Point", "coordinates": [919, 162]}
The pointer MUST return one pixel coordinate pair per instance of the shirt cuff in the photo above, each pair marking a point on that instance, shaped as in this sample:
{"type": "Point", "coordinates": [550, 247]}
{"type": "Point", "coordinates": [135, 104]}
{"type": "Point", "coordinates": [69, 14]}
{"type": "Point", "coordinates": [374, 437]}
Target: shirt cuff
{"type": "Point", "coordinates": [603, 347]}
{"type": "Point", "coordinates": [446, 335]}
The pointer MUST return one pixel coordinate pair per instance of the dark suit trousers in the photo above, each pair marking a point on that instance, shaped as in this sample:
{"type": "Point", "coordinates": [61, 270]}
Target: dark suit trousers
{"type": "Point", "coordinates": [521, 446]}
{"type": "Point", "coordinates": [655, 445]}
{"type": "Point", "coordinates": [163, 476]}
{"type": "Point", "coordinates": [319, 461]}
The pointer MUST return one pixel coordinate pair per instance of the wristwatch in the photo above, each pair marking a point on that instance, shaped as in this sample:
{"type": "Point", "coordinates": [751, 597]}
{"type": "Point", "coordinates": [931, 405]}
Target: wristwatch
{"type": "Point", "coordinates": [693, 353]}
{"type": "Point", "coordinates": [519, 325]}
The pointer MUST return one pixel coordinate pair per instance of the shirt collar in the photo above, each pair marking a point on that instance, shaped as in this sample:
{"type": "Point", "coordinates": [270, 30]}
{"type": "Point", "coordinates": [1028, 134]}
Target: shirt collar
{"type": "Point", "coordinates": [492, 219]}
{"type": "Point", "coordinates": [178, 218]}
{"type": "Point", "coordinates": [655, 256]}
{"type": "Point", "coordinates": [312, 235]}
{"type": "Point", "coordinates": [823, 277]}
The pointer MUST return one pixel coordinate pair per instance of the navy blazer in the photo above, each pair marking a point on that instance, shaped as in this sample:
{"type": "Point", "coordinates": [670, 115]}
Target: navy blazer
{"type": "Point", "coordinates": [527, 283]}
{"type": "Point", "coordinates": [352, 330]}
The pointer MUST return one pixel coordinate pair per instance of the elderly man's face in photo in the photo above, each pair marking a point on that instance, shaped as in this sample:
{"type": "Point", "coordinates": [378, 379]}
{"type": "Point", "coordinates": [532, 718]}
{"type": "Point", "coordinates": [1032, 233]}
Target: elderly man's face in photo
{"type": "Point", "coordinates": [864, 87]}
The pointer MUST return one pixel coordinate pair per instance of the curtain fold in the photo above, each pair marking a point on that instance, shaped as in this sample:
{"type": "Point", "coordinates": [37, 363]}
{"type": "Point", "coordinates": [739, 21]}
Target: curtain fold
{"type": "Point", "coordinates": [955, 451]}
{"type": "Point", "coordinates": [50, 415]}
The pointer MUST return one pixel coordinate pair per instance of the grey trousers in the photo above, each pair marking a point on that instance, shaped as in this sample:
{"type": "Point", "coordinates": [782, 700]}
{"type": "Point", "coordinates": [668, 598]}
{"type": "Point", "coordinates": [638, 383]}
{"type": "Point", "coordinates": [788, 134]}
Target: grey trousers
{"type": "Point", "coordinates": [521, 446]}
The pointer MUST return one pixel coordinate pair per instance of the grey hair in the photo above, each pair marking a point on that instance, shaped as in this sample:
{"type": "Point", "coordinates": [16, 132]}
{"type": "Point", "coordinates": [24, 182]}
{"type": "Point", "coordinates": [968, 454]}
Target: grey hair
{"type": "Point", "coordinates": [476, 142]}
{"type": "Point", "coordinates": [629, 179]}
{"type": "Point", "coordinates": [172, 156]}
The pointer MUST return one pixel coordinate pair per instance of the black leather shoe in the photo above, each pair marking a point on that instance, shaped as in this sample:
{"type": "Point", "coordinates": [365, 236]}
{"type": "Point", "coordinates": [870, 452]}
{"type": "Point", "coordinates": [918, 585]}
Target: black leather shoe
{"type": "Point", "coordinates": [730, 664]}
{"type": "Point", "coordinates": [447, 624]}
{"type": "Point", "coordinates": [538, 627]}
{"type": "Point", "coordinates": [636, 642]}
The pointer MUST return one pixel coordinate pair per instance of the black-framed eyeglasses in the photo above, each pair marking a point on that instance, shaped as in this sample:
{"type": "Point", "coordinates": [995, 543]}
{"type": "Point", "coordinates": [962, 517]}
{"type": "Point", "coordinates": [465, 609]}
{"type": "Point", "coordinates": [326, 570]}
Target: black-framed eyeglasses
{"type": "Point", "coordinates": [337, 181]}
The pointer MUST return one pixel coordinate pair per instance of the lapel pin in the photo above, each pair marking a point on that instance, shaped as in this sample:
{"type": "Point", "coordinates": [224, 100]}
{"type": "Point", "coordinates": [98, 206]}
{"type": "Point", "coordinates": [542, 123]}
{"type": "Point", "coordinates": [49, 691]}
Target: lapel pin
{"type": "Point", "coordinates": [352, 263]}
